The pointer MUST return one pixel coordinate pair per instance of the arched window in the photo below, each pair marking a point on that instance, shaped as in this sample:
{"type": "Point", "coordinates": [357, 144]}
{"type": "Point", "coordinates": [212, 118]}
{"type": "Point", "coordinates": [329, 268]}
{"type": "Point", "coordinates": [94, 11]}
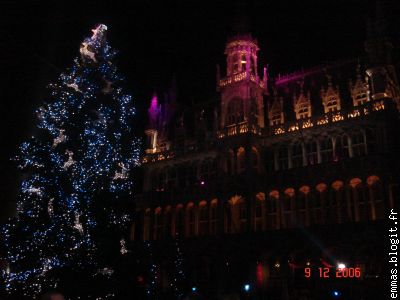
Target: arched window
{"type": "Point", "coordinates": [375, 201]}
{"type": "Point", "coordinates": [259, 212]}
{"type": "Point", "coordinates": [203, 218]}
{"type": "Point", "coordinates": [238, 214]}
{"type": "Point", "coordinates": [341, 147]}
{"type": "Point", "coordinates": [297, 155]}
{"type": "Point", "coordinates": [341, 215]}
{"type": "Point", "coordinates": [235, 111]}
{"type": "Point", "coordinates": [272, 210]}
{"type": "Point", "coordinates": [190, 220]}
{"type": "Point", "coordinates": [318, 204]}
{"type": "Point", "coordinates": [358, 203]}
{"type": "Point", "coordinates": [312, 152]}
{"type": "Point", "coordinates": [326, 149]}
{"type": "Point", "coordinates": [241, 160]}
{"type": "Point", "coordinates": [283, 162]}
{"type": "Point", "coordinates": [302, 205]}
{"type": "Point", "coordinates": [288, 208]}
{"type": "Point", "coordinates": [213, 217]}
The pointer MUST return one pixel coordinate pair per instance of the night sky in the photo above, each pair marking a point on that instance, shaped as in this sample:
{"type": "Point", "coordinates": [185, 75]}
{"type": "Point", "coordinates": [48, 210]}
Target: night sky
{"type": "Point", "coordinates": [39, 40]}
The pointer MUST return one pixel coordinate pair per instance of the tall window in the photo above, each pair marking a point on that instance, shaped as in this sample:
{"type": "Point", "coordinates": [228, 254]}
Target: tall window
{"type": "Point", "coordinates": [272, 210]}
{"type": "Point", "coordinates": [203, 218]}
{"type": "Point", "coordinates": [242, 210]}
{"type": "Point", "coordinates": [358, 198]}
{"type": "Point", "coordinates": [213, 217]}
{"type": "Point", "coordinates": [302, 206]}
{"type": "Point", "coordinates": [341, 147]}
{"type": "Point", "coordinates": [358, 144]}
{"type": "Point", "coordinates": [332, 204]}
{"type": "Point", "coordinates": [235, 111]}
{"type": "Point", "coordinates": [318, 204]}
{"type": "Point", "coordinates": [375, 201]}
{"type": "Point", "coordinates": [288, 208]}
{"type": "Point", "coordinates": [297, 155]}
{"type": "Point", "coordinates": [241, 160]}
{"type": "Point", "coordinates": [283, 158]}
{"type": "Point", "coordinates": [326, 149]}
{"type": "Point", "coordinates": [258, 213]}
{"type": "Point", "coordinates": [312, 152]}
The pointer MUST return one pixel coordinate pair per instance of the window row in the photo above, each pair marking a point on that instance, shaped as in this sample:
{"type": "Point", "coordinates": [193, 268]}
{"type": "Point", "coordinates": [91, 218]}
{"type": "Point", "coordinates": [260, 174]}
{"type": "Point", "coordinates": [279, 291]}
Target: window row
{"type": "Point", "coordinates": [183, 175]}
{"type": "Point", "coordinates": [327, 149]}
{"type": "Point", "coordinates": [340, 203]}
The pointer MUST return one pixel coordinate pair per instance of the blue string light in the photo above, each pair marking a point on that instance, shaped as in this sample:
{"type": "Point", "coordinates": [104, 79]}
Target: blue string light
{"type": "Point", "coordinates": [84, 145]}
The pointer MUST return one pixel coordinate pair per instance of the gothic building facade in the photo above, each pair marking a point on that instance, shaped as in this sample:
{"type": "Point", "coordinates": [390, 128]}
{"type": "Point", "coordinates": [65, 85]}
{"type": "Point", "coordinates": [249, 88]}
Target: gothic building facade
{"type": "Point", "coordinates": [280, 174]}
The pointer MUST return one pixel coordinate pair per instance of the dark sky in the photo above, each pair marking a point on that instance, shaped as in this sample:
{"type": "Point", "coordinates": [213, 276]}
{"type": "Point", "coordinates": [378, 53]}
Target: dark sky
{"type": "Point", "coordinates": [39, 40]}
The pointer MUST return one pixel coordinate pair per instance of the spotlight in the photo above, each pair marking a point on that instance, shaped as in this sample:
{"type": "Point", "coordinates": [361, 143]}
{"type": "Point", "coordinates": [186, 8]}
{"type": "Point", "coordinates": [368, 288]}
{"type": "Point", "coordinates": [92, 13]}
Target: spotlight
{"type": "Point", "coordinates": [341, 266]}
{"type": "Point", "coordinates": [194, 289]}
{"type": "Point", "coordinates": [247, 287]}
{"type": "Point", "coordinates": [336, 294]}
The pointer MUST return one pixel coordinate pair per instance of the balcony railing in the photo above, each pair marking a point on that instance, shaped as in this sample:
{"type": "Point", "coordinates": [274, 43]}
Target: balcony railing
{"type": "Point", "coordinates": [331, 117]}
{"type": "Point", "coordinates": [240, 128]}
{"type": "Point", "coordinates": [240, 77]}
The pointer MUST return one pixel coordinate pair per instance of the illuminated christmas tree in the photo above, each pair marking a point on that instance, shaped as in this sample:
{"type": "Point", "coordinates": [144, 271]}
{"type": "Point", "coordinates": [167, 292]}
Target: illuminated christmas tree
{"type": "Point", "coordinates": [76, 168]}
